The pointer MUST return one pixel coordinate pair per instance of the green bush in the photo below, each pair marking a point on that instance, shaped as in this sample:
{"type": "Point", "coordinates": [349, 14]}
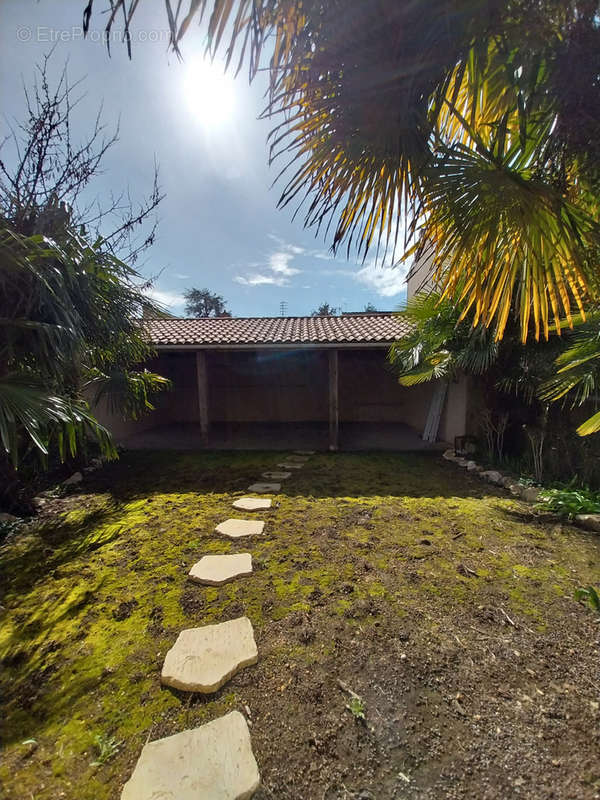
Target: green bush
{"type": "Point", "coordinates": [570, 502]}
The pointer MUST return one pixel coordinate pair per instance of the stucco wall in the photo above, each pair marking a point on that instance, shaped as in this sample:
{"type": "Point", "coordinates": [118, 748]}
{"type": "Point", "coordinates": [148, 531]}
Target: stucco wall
{"type": "Point", "coordinates": [453, 421]}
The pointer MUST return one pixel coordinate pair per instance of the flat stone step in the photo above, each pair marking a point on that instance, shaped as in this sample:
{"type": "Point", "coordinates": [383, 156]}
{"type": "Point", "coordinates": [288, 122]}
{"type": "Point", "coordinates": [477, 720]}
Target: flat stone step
{"type": "Point", "coordinates": [215, 570]}
{"type": "Point", "coordinates": [253, 503]}
{"type": "Point", "coordinates": [235, 528]}
{"type": "Point", "coordinates": [297, 459]}
{"type": "Point", "coordinates": [265, 488]}
{"type": "Point", "coordinates": [290, 466]}
{"type": "Point", "coordinates": [277, 476]}
{"type": "Point", "coordinates": [304, 452]}
{"type": "Point", "coordinates": [212, 762]}
{"type": "Point", "coordinates": [203, 659]}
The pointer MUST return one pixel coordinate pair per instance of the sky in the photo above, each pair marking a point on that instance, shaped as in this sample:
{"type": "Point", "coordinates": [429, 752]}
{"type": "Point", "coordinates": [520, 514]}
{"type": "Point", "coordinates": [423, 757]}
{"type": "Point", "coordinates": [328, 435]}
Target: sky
{"type": "Point", "coordinates": [219, 226]}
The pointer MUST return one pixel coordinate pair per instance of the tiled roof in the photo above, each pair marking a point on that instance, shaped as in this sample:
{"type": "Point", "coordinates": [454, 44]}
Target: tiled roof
{"type": "Point", "coordinates": [234, 331]}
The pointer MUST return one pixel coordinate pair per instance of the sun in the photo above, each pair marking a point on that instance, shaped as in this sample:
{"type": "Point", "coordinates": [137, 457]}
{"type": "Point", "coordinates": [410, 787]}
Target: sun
{"type": "Point", "coordinates": [209, 92]}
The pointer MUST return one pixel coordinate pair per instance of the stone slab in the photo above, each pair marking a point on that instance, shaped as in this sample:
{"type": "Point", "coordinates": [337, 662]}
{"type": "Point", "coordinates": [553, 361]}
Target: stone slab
{"type": "Point", "coordinates": [203, 659]}
{"type": "Point", "coordinates": [589, 521]}
{"type": "Point", "coordinates": [297, 459]}
{"type": "Point", "coordinates": [290, 466]}
{"type": "Point", "coordinates": [212, 762]}
{"type": "Point", "coordinates": [265, 488]}
{"type": "Point", "coordinates": [277, 476]}
{"type": "Point", "coordinates": [492, 475]}
{"type": "Point", "coordinates": [304, 452]}
{"type": "Point", "coordinates": [235, 528]}
{"type": "Point", "coordinates": [252, 503]}
{"type": "Point", "coordinates": [215, 570]}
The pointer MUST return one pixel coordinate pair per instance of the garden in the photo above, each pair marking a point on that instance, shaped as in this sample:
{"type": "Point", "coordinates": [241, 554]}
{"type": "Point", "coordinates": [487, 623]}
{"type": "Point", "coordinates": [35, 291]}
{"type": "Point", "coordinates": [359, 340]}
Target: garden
{"type": "Point", "coordinates": [417, 629]}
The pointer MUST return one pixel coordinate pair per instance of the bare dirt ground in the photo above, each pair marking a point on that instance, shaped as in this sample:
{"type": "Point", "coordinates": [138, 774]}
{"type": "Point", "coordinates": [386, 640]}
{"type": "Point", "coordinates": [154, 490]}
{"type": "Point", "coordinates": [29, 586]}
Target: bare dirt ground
{"type": "Point", "coordinates": [390, 587]}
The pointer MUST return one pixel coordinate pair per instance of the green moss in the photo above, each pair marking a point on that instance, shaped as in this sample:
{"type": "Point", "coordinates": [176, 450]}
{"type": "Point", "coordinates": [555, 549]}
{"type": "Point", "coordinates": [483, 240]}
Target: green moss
{"type": "Point", "coordinates": [95, 599]}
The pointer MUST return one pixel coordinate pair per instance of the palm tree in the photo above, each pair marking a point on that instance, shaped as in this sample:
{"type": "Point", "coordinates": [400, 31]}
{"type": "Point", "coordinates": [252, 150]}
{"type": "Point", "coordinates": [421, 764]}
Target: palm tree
{"type": "Point", "coordinates": [439, 345]}
{"type": "Point", "coordinates": [69, 323]}
{"type": "Point", "coordinates": [578, 373]}
{"type": "Point", "coordinates": [476, 119]}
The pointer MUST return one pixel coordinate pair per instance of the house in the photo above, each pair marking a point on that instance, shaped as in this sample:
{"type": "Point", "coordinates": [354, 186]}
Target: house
{"type": "Point", "coordinates": [280, 382]}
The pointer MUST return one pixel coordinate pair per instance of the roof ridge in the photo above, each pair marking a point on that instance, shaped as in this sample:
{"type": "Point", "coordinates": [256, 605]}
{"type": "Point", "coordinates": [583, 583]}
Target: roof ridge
{"type": "Point", "coordinates": [379, 315]}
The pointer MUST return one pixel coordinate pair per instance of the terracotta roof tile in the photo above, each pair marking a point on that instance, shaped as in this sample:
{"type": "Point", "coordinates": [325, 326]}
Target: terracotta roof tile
{"type": "Point", "coordinates": [206, 331]}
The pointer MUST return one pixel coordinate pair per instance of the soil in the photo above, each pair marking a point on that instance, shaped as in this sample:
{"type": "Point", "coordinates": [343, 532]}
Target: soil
{"type": "Point", "coordinates": [417, 631]}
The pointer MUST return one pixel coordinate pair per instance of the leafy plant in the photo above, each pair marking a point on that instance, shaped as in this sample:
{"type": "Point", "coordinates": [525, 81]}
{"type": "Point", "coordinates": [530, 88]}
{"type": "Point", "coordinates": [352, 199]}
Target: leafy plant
{"type": "Point", "coordinates": [357, 708]}
{"type": "Point", "coordinates": [590, 595]}
{"type": "Point", "coordinates": [570, 502]}
{"type": "Point", "coordinates": [107, 747]}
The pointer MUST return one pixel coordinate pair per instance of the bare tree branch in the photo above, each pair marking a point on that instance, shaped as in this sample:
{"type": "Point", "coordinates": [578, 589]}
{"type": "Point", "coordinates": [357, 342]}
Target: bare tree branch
{"type": "Point", "coordinates": [46, 173]}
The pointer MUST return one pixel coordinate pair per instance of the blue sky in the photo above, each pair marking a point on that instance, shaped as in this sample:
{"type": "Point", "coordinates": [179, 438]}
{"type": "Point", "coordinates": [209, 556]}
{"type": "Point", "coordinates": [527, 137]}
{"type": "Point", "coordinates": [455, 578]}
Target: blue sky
{"type": "Point", "coordinates": [218, 225]}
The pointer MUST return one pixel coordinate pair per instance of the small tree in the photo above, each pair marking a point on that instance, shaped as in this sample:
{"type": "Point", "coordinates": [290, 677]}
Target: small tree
{"type": "Point", "coordinates": [370, 309]}
{"type": "Point", "coordinates": [325, 310]}
{"type": "Point", "coordinates": [203, 303]}
{"type": "Point", "coordinates": [71, 307]}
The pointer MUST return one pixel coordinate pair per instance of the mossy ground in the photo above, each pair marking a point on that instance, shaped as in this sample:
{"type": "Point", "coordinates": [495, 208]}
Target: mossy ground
{"type": "Point", "coordinates": [446, 605]}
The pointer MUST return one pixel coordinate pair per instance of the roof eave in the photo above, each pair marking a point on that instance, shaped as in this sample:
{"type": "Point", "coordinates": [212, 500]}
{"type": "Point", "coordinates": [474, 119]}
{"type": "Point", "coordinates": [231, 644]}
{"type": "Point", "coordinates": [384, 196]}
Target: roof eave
{"type": "Point", "coordinates": [277, 346]}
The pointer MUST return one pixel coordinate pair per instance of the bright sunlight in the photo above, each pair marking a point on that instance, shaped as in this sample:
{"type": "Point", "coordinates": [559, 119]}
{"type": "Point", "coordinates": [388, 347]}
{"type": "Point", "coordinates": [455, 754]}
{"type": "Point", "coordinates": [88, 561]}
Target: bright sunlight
{"type": "Point", "coordinates": [209, 92]}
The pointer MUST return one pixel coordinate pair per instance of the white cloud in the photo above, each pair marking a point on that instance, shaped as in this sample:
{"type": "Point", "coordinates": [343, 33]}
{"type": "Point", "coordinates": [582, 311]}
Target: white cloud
{"type": "Point", "coordinates": [386, 280]}
{"type": "Point", "coordinates": [279, 261]}
{"type": "Point", "coordinates": [166, 298]}
{"type": "Point", "coordinates": [180, 276]}
{"type": "Point", "coordinates": [277, 271]}
{"type": "Point", "coordinates": [260, 280]}
{"type": "Point", "coordinates": [294, 249]}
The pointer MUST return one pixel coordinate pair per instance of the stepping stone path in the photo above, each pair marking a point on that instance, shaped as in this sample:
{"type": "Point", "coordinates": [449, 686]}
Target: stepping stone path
{"type": "Point", "coordinates": [215, 570]}
{"type": "Point", "coordinates": [235, 528]}
{"type": "Point", "coordinates": [212, 762]}
{"type": "Point", "coordinates": [265, 488]}
{"type": "Point", "coordinates": [253, 503]}
{"type": "Point", "coordinates": [203, 659]}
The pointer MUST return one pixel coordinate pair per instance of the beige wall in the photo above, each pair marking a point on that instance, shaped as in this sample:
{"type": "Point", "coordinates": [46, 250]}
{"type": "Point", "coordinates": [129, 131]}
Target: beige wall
{"type": "Point", "coordinates": [453, 421]}
{"type": "Point", "coordinates": [419, 276]}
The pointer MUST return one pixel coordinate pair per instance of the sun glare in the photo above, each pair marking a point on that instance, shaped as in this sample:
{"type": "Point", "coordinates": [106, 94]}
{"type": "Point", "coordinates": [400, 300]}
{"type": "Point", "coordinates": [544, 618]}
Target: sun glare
{"type": "Point", "coordinates": [209, 92]}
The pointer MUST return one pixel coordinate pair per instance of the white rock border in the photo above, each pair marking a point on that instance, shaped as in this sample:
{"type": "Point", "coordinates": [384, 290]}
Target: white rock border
{"type": "Point", "coordinates": [529, 494]}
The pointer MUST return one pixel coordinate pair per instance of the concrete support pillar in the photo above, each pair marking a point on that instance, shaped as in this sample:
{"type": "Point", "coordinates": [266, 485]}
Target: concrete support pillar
{"type": "Point", "coordinates": [202, 381]}
{"type": "Point", "coordinates": [334, 407]}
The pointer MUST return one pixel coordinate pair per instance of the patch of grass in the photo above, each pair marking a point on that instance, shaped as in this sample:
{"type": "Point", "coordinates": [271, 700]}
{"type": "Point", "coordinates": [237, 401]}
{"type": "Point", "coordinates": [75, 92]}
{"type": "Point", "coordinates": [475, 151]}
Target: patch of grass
{"type": "Point", "coordinates": [106, 748]}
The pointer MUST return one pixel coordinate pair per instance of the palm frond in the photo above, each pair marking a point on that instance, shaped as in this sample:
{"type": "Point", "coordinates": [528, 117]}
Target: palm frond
{"type": "Point", "coordinates": [126, 392]}
{"type": "Point", "coordinates": [26, 406]}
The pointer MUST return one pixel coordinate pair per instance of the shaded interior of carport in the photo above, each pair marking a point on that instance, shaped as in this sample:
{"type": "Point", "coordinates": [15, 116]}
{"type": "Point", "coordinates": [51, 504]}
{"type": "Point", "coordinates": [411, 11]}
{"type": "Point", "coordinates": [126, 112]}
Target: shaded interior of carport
{"type": "Point", "coordinates": [280, 398]}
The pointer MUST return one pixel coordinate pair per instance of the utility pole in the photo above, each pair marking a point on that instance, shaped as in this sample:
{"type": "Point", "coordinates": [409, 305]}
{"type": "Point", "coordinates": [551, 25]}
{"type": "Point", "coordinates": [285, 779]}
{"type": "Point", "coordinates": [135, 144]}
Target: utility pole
{"type": "Point", "coordinates": [282, 308]}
